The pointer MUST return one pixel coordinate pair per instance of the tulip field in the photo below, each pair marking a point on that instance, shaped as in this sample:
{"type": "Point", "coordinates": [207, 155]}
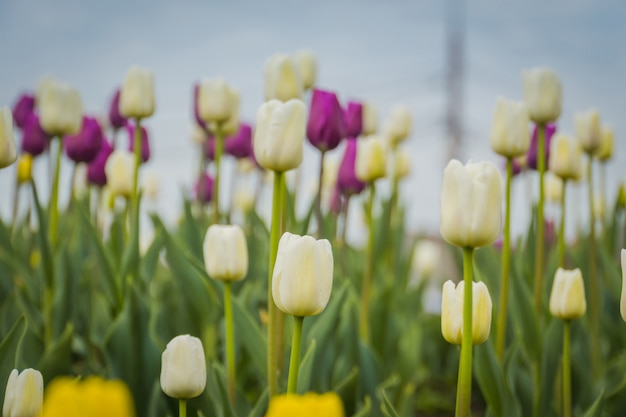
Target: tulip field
{"type": "Point", "coordinates": [229, 312]}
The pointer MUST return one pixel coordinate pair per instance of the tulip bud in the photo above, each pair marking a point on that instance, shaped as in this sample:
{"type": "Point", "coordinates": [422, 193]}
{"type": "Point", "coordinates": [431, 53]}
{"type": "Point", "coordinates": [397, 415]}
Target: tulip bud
{"type": "Point", "coordinates": [137, 94]}
{"type": "Point", "coordinates": [282, 78]}
{"type": "Point", "coordinates": [471, 201]}
{"type": "Point", "coordinates": [183, 368]}
{"type": "Point", "coordinates": [203, 189]}
{"type": "Point", "coordinates": [150, 185]}
{"type": "Point", "coordinates": [279, 135]}
{"type": "Point", "coordinates": [622, 304]}
{"type": "Point", "coordinates": [226, 253]}
{"type": "Point", "coordinates": [533, 151]}
{"type": "Point", "coordinates": [567, 299]}
{"type": "Point", "coordinates": [115, 117]}
{"type": "Point", "coordinates": [554, 187]}
{"type": "Point", "coordinates": [370, 159]}
{"type": "Point", "coordinates": [426, 258]}
{"type": "Point", "coordinates": [216, 101]}
{"type": "Point", "coordinates": [60, 109]}
{"type": "Point", "coordinates": [24, 394]}
{"type": "Point", "coordinates": [402, 164]}
{"type": "Point", "coordinates": [353, 119]}
{"type": "Point", "coordinates": [370, 119]}
{"type": "Point", "coordinates": [565, 158]}
{"type": "Point", "coordinates": [509, 129]}
{"type": "Point", "coordinates": [119, 170]}
{"type": "Point", "coordinates": [399, 125]}
{"type": "Point", "coordinates": [542, 94]}
{"type": "Point", "coordinates": [240, 144]}
{"type": "Point", "coordinates": [145, 141]}
{"type": "Point", "coordinates": [303, 275]}
{"type": "Point", "coordinates": [307, 67]}
{"type": "Point", "coordinates": [85, 145]}
{"type": "Point", "coordinates": [34, 139]}
{"type": "Point", "coordinates": [325, 126]}
{"type": "Point", "coordinates": [452, 301]}
{"type": "Point", "coordinates": [605, 150]}
{"type": "Point", "coordinates": [24, 107]}
{"type": "Point", "coordinates": [231, 125]}
{"type": "Point", "coordinates": [24, 168]}
{"type": "Point", "coordinates": [347, 180]}
{"type": "Point", "coordinates": [8, 153]}
{"type": "Point", "coordinates": [588, 130]}
{"type": "Point", "coordinates": [96, 174]}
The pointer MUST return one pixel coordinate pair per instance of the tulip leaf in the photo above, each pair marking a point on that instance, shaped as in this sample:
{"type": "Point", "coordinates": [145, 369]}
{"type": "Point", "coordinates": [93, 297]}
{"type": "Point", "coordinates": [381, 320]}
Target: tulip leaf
{"type": "Point", "coordinates": [253, 339]}
{"type": "Point", "coordinates": [387, 408]}
{"type": "Point", "coordinates": [306, 369]}
{"type": "Point", "coordinates": [57, 358]}
{"type": "Point", "coordinates": [551, 353]}
{"type": "Point", "coordinates": [366, 409]}
{"type": "Point", "coordinates": [44, 241]}
{"type": "Point", "coordinates": [597, 408]}
{"type": "Point", "coordinates": [523, 316]}
{"type": "Point", "coordinates": [9, 349]}
{"type": "Point", "coordinates": [261, 405]}
{"type": "Point", "coordinates": [220, 378]}
{"type": "Point", "coordinates": [490, 379]}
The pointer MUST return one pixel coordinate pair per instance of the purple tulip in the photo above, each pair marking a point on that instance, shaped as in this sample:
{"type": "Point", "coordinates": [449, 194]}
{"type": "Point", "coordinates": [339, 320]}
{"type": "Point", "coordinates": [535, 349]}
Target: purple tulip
{"type": "Point", "coordinates": [353, 119]}
{"type": "Point", "coordinates": [240, 144]}
{"type": "Point", "coordinates": [209, 147]}
{"type": "Point", "coordinates": [203, 189]}
{"type": "Point", "coordinates": [115, 117]}
{"type": "Point", "coordinates": [85, 145]}
{"type": "Point", "coordinates": [550, 130]}
{"type": "Point", "coordinates": [23, 109]}
{"type": "Point", "coordinates": [34, 139]}
{"type": "Point", "coordinates": [196, 112]}
{"type": "Point", "coordinates": [95, 169]}
{"type": "Point", "coordinates": [145, 142]}
{"type": "Point", "coordinates": [325, 126]}
{"type": "Point", "coordinates": [347, 181]}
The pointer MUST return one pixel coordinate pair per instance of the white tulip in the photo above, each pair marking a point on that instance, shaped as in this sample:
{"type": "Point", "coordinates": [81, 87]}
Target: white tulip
{"type": "Point", "coordinates": [565, 158]}
{"type": "Point", "coordinates": [217, 101]}
{"type": "Point", "coordinates": [567, 299]}
{"type": "Point", "coordinates": [588, 131]}
{"type": "Point", "coordinates": [307, 66]}
{"type": "Point", "coordinates": [554, 187]}
{"type": "Point", "coordinates": [150, 185]}
{"type": "Point", "coordinates": [183, 368]}
{"type": "Point", "coordinates": [137, 94]}
{"type": "Point", "coordinates": [60, 109]}
{"type": "Point", "coordinates": [8, 153]}
{"type": "Point", "coordinates": [370, 163]}
{"type": "Point", "coordinates": [605, 150]}
{"type": "Point", "coordinates": [370, 119]}
{"type": "Point", "coordinates": [426, 258]}
{"type": "Point", "coordinates": [120, 171]}
{"type": "Point", "coordinates": [399, 124]}
{"type": "Point", "coordinates": [452, 302]}
{"type": "Point", "coordinates": [282, 78]}
{"type": "Point", "coordinates": [24, 394]}
{"type": "Point", "coordinates": [510, 136]}
{"type": "Point", "coordinates": [402, 164]}
{"type": "Point", "coordinates": [542, 94]}
{"type": "Point", "coordinates": [226, 253]}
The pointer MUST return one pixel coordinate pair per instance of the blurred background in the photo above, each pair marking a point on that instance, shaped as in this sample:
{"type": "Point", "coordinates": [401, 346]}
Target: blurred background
{"type": "Point", "coordinates": [447, 60]}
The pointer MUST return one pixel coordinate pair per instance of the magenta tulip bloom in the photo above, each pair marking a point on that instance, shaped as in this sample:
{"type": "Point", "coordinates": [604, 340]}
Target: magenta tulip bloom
{"type": "Point", "coordinates": [85, 145]}
{"type": "Point", "coordinates": [353, 119]}
{"type": "Point", "coordinates": [35, 140]}
{"type": "Point", "coordinates": [203, 189]}
{"type": "Point", "coordinates": [145, 142]}
{"type": "Point", "coordinates": [115, 117]}
{"type": "Point", "coordinates": [24, 107]}
{"type": "Point", "coordinates": [95, 169]}
{"type": "Point", "coordinates": [240, 144]}
{"type": "Point", "coordinates": [325, 126]}
{"type": "Point", "coordinates": [533, 150]}
{"type": "Point", "coordinates": [347, 180]}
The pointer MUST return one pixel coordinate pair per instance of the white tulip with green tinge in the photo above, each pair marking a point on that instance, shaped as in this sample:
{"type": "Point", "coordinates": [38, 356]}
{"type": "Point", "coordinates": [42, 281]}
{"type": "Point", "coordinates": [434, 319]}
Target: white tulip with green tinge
{"type": "Point", "coordinates": [60, 108]}
{"type": "Point", "coordinates": [183, 368]}
{"type": "Point", "coordinates": [282, 78]}
{"type": "Point", "coordinates": [510, 136]}
{"type": "Point", "coordinates": [226, 253]}
{"type": "Point", "coordinates": [399, 124]}
{"type": "Point", "coordinates": [307, 67]}
{"type": "Point", "coordinates": [371, 159]}
{"type": "Point", "coordinates": [217, 101]}
{"type": "Point", "coordinates": [605, 150]}
{"type": "Point", "coordinates": [119, 170]}
{"type": "Point", "coordinates": [565, 158]}
{"type": "Point", "coordinates": [8, 153]}
{"type": "Point", "coordinates": [542, 94]}
{"type": "Point", "coordinates": [588, 130]}
{"type": "Point", "coordinates": [370, 119]}
{"type": "Point", "coordinates": [137, 94]}
{"type": "Point", "coordinates": [567, 299]}
{"type": "Point", "coordinates": [452, 312]}
{"type": "Point", "coordinates": [401, 164]}
{"type": "Point", "coordinates": [24, 394]}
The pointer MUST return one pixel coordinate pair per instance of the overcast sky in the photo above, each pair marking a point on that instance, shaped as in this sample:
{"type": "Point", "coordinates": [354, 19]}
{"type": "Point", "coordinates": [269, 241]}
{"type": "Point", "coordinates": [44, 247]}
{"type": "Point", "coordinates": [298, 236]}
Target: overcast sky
{"type": "Point", "coordinates": [386, 52]}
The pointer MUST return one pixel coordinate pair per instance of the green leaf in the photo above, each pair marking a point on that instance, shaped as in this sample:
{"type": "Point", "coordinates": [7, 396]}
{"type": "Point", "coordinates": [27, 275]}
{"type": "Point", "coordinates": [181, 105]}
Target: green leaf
{"type": "Point", "coordinates": [261, 405]}
{"type": "Point", "coordinates": [490, 378]}
{"type": "Point", "coordinates": [44, 242]}
{"type": "Point", "coordinates": [306, 369]}
{"type": "Point", "coordinates": [387, 407]}
{"type": "Point", "coordinates": [57, 358]}
{"type": "Point", "coordinates": [9, 349]}
{"type": "Point", "coordinates": [597, 407]}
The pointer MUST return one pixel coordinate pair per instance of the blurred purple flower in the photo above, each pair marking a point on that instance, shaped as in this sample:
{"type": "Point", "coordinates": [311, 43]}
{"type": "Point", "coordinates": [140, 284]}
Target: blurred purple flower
{"type": "Point", "coordinates": [24, 107]}
{"type": "Point", "coordinates": [34, 139]}
{"type": "Point", "coordinates": [85, 145]}
{"type": "Point", "coordinates": [347, 181]}
{"type": "Point", "coordinates": [115, 117]}
{"type": "Point", "coordinates": [203, 189]}
{"type": "Point", "coordinates": [240, 144]}
{"type": "Point", "coordinates": [353, 119]}
{"type": "Point", "coordinates": [325, 126]}
{"type": "Point", "coordinates": [145, 142]}
{"type": "Point", "coordinates": [95, 169]}
{"type": "Point", "coordinates": [532, 152]}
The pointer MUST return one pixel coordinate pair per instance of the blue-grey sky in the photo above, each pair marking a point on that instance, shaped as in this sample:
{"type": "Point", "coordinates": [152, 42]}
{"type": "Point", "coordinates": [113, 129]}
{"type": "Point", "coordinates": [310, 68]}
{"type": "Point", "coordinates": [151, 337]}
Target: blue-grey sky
{"type": "Point", "coordinates": [386, 52]}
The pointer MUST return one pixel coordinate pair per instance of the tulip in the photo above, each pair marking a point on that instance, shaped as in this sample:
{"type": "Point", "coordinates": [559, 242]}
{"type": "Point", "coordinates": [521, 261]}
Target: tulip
{"type": "Point", "coordinates": [85, 145]}
{"type": "Point", "coordinates": [137, 94]}
{"type": "Point", "coordinates": [226, 253]}
{"type": "Point", "coordinates": [567, 299]}
{"type": "Point", "coordinates": [60, 109]}
{"type": "Point", "coordinates": [605, 150]}
{"type": "Point", "coordinates": [303, 275]}
{"type": "Point", "coordinates": [622, 305]}
{"type": "Point", "coordinates": [8, 153]}
{"type": "Point", "coordinates": [198, 135]}
{"type": "Point", "coordinates": [96, 174]}
{"type": "Point", "coordinates": [282, 78]}
{"type": "Point", "coordinates": [370, 159]}
{"type": "Point", "coordinates": [183, 368]}
{"type": "Point", "coordinates": [307, 405]}
{"type": "Point", "coordinates": [565, 158]}
{"type": "Point", "coordinates": [554, 188]}
{"type": "Point", "coordinates": [370, 119]}
{"type": "Point", "coordinates": [240, 144]}
{"type": "Point", "coordinates": [231, 125]}
{"type": "Point", "coordinates": [399, 124]}
{"type": "Point", "coordinates": [471, 200]}
{"type": "Point", "coordinates": [115, 117]}
{"type": "Point", "coordinates": [532, 155]}
{"type": "Point", "coordinates": [452, 312]}
{"type": "Point", "coordinates": [244, 200]}
{"type": "Point", "coordinates": [588, 130]}
{"type": "Point", "coordinates": [145, 141]}
{"type": "Point", "coordinates": [402, 164]}
{"type": "Point", "coordinates": [542, 94]}
{"type": "Point", "coordinates": [150, 186]}
{"type": "Point", "coordinates": [353, 119]}
{"type": "Point", "coordinates": [24, 107]}
{"type": "Point", "coordinates": [509, 129]}
{"type": "Point", "coordinates": [24, 168]}
{"type": "Point", "coordinates": [347, 180]}
{"type": "Point", "coordinates": [325, 126]}
{"type": "Point", "coordinates": [279, 135]}
{"type": "Point", "coordinates": [307, 67]}
{"type": "Point", "coordinates": [217, 101]}
{"type": "Point", "coordinates": [119, 170]}
{"type": "Point", "coordinates": [24, 394]}
{"type": "Point", "coordinates": [34, 139]}
{"type": "Point", "coordinates": [203, 189]}
{"type": "Point", "coordinates": [426, 258]}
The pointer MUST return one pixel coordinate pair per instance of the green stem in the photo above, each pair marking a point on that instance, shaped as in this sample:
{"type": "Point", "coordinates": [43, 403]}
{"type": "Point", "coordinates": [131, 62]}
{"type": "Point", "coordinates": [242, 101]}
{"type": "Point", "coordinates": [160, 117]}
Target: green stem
{"type": "Point", "coordinates": [318, 198]}
{"type": "Point", "coordinates": [134, 202]}
{"type": "Point", "coordinates": [506, 256]}
{"type": "Point", "coordinates": [593, 279]}
{"type": "Point", "coordinates": [230, 341]}
{"type": "Point", "coordinates": [464, 387]}
{"type": "Point", "coordinates": [54, 196]}
{"type": "Point", "coordinates": [561, 241]}
{"type": "Point", "coordinates": [536, 367]}
{"type": "Point", "coordinates": [294, 362]}
{"type": "Point", "coordinates": [182, 408]}
{"type": "Point", "coordinates": [369, 271]}
{"type": "Point", "coordinates": [344, 244]}
{"type": "Point", "coordinates": [277, 202]}
{"type": "Point", "coordinates": [567, 372]}
{"type": "Point", "coordinates": [219, 149]}
{"type": "Point", "coordinates": [540, 236]}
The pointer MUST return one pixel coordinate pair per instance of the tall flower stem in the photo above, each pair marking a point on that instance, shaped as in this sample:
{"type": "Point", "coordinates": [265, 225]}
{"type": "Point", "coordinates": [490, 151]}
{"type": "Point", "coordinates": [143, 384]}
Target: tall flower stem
{"type": "Point", "coordinates": [134, 202]}
{"type": "Point", "coordinates": [344, 228]}
{"type": "Point", "coordinates": [219, 149]}
{"type": "Point", "coordinates": [594, 284]}
{"type": "Point", "coordinates": [567, 372]}
{"type": "Point", "coordinates": [540, 236]}
{"type": "Point", "coordinates": [318, 198]}
{"type": "Point", "coordinates": [561, 241]}
{"type": "Point", "coordinates": [54, 196]}
{"type": "Point", "coordinates": [366, 285]}
{"type": "Point", "coordinates": [182, 408]}
{"type": "Point", "coordinates": [230, 341]}
{"type": "Point", "coordinates": [277, 204]}
{"type": "Point", "coordinates": [506, 259]}
{"type": "Point", "coordinates": [464, 385]}
{"type": "Point", "coordinates": [294, 362]}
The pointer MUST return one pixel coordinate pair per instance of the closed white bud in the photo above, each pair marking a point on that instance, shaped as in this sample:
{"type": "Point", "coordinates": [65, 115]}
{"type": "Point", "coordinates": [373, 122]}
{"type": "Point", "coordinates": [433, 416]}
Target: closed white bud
{"type": "Point", "coordinates": [137, 94]}
{"type": "Point", "coordinates": [565, 158]}
{"type": "Point", "coordinates": [307, 66]}
{"type": "Point", "coordinates": [399, 124]}
{"type": "Point", "coordinates": [554, 187]}
{"type": "Point", "coordinates": [24, 394]}
{"type": "Point", "coordinates": [120, 171]}
{"type": "Point", "coordinates": [60, 109]}
{"type": "Point", "coordinates": [452, 302]}
{"type": "Point", "coordinates": [588, 131]}
{"type": "Point", "coordinates": [567, 299]}
{"type": "Point", "coordinates": [605, 150]}
{"type": "Point", "coordinates": [150, 185]}
{"type": "Point", "coordinates": [426, 258]}
{"type": "Point", "coordinates": [8, 153]}
{"type": "Point", "coordinates": [183, 368]}
{"type": "Point", "coordinates": [402, 164]}
{"type": "Point", "coordinates": [282, 78]}
{"type": "Point", "coordinates": [371, 161]}
{"type": "Point", "coordinates": [225, 253]}
{"type": "Point", "coordinates": [370, 119]}
{"type": "Point", "coordinates": [217, 102]}
{"type": "Point", "coordinates": [542, 94]}
{"type": "Point", "coordinates": [510, 136]}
